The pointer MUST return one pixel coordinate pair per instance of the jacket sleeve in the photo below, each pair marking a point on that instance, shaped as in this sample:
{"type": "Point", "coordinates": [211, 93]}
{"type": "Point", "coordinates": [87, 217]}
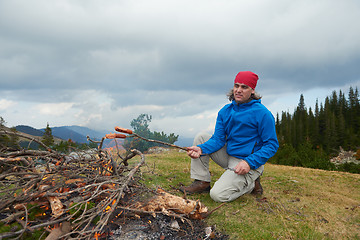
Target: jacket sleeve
{"type": "Point", "coordinates": [268, 139]}
{"type": "Point", "coordinates": [218, 139]}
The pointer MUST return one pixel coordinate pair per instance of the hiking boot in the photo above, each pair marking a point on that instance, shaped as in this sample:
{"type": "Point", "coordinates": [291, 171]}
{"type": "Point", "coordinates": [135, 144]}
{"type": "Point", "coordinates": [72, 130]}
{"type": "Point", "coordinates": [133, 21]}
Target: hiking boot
{"type": "Point", "coordinates": [258, 190]}
{"type": "Point", "coordinates": [197, 186]}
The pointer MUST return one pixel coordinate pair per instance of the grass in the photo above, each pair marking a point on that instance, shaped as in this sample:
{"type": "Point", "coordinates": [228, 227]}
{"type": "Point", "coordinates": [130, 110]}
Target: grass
{"type": "Point", "coordinates": [298, 203]}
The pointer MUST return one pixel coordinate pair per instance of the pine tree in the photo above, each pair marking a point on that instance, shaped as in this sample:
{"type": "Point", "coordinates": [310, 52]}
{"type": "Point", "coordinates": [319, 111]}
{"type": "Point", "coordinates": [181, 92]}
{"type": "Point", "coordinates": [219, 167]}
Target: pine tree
{"type": "Point", "coordinates": [300, 123]}
{"type": "Point", "coordinates": [357, 117]}
{"type": "Point", "coordinates": [312, 128]}
{"type": "Point", "coordinates": [316, 134]}
{"type": "Point", "coordinates": [333, 103]}
{"type": "Point", "coordinates": [352, 122]}
{"type": "Point", "coordinates": [282, 132]}
{"type": "Point", "coordinates": [2, 122]}
{"type": "Point", "coordinates": [322, 125]}
{"type": "Point", "coordinates": [341, 130]}
{"type": "Point", "coordinates": [342, 102]}
{"type": "Point", "coordinates": [327, 133]}
{"type": "Point", "coordinates": [48, 138]}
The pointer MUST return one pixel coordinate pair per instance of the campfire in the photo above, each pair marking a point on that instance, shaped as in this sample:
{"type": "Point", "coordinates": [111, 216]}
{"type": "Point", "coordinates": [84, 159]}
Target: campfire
{"type": "Point", "coordinates": [90, 195]}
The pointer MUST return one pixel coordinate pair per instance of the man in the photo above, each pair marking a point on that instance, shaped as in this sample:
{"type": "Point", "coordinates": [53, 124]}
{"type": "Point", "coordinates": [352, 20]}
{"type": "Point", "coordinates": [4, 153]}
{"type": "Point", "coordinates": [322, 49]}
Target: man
{"type": "Point", "coordinates": [243, 141]}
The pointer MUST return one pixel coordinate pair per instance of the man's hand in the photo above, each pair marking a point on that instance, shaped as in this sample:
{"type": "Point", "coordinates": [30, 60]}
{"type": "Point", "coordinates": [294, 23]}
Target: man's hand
{"type": "Point", "coordinates": [194, 152]}
{"type": "Point", "coordinates": [242, 168]}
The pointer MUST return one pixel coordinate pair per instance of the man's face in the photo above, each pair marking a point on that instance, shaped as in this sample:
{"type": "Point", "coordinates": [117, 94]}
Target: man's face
{"type": "Point", "coordinates": [242, 92]}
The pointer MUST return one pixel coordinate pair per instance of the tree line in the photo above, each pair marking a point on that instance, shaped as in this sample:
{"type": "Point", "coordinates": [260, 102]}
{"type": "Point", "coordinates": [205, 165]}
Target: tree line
{"type": "Point", "coordinates": [309, 137]}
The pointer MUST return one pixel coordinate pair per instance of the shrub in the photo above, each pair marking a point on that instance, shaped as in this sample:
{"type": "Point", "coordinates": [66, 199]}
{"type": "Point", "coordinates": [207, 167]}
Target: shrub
{"type": "Point", "coordinates": [349, 167]}
{"type": "Point", "coordinates": [306, 156]}
{"type": "Point", "coordinates": [286, 155]}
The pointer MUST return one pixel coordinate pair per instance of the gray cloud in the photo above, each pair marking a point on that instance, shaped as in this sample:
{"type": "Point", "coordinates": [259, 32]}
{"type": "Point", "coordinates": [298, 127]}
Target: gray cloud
{"type": "Point", "coordinates": [172, 59]}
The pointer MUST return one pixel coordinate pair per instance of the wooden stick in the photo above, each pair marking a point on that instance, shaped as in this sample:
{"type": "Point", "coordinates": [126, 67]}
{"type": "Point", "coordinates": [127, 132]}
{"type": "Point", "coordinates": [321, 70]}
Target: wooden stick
{"type": "Point", "coordinates": [157, 141]}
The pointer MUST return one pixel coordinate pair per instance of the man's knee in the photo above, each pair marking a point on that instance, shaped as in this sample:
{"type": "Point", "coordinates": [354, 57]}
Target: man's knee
{"type": "Point", "coordinates": [201, 137]}
{"type": "Point", "coordinates": [227, 193]}
{"type": "Point", "coordinates": [218, 196]}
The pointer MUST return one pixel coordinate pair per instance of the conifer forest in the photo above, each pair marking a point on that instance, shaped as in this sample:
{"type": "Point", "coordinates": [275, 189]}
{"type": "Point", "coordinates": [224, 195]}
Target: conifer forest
{"type": "Point", "coordinates": [310, 137]}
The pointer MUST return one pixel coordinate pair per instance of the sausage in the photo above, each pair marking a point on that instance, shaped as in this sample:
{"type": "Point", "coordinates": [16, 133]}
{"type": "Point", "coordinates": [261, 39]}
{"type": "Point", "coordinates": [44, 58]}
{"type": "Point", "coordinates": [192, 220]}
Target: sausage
{"type": "Point", "coordinates": [115, 135]}
{"type": "Point", "coordinates": [123, 130]}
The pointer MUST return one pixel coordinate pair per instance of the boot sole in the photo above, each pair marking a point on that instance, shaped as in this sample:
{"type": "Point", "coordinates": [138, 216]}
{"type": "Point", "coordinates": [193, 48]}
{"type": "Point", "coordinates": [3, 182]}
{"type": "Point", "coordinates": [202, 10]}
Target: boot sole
{"type": "Point", "coordinates": [207, 190]}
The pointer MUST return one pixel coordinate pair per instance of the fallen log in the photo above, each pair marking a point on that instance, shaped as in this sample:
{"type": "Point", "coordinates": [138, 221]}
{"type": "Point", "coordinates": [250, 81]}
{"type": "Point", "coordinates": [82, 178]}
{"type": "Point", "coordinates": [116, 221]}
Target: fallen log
{"type": "Point", "coordinates": [167, 203]}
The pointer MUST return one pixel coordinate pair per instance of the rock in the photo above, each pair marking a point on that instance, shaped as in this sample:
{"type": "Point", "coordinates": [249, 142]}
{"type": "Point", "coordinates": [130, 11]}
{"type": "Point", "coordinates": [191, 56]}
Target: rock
{"type": "Point", "coordinates": [344, 157]}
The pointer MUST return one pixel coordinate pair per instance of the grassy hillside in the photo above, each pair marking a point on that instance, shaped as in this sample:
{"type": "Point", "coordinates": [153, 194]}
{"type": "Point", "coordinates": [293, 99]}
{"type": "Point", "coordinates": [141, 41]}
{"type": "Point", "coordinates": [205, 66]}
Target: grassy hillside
{"type": "Point", "coordinates": [298, 203]}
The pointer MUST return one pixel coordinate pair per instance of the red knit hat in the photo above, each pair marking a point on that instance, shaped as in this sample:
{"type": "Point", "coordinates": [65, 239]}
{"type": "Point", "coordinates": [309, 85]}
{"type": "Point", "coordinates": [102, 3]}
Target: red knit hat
{"type": "Point", "coordinates": [247, 78]}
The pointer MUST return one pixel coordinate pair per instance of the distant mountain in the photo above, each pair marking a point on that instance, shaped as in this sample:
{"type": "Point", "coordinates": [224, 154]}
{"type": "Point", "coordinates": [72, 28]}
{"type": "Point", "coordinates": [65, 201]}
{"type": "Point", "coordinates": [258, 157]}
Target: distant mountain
{"type": "Point", "coordinates": [65, 133]}
{"type": "Point", "coordinates": [93, 134]}
{"type": "Point", "coordinates": [29, 130]}
{"type": "Point", "coordinates": [32, 133]}
{"type": "Point", "coordinates": [75, 133]}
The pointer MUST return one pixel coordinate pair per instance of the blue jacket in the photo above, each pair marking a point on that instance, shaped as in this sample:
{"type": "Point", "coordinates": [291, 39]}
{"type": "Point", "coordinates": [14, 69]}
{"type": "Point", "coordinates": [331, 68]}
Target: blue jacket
{"type": "Point", "coordinates": [248, 130]}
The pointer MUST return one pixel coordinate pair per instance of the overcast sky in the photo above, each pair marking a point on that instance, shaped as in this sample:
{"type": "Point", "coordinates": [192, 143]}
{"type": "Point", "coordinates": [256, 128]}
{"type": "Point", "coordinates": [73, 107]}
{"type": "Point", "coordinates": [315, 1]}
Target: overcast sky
{"type": "Point", "coordinates": [100, 64]}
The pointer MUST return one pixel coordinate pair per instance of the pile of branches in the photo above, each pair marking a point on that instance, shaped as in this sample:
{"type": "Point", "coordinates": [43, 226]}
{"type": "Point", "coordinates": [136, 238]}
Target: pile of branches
{"type": "Point", "coordinates": [77, 196]}
{"type": "Point", "coordinates": [79, 191]}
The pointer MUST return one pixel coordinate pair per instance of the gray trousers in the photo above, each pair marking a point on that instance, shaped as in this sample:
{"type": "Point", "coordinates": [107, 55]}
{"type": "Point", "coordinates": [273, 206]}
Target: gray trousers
{"type": "Point", "coordinates": [230, 185]}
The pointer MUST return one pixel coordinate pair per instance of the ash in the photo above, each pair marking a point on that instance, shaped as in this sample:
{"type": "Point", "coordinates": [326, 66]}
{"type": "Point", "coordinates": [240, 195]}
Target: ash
{"type": "Point", "coordinates": [164, 227]}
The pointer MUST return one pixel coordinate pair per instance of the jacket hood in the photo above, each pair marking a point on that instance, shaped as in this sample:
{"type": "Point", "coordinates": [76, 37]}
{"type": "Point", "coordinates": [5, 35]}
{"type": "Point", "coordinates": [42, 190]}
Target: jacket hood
{"type": "Point", "coordinates": [252, 102]}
